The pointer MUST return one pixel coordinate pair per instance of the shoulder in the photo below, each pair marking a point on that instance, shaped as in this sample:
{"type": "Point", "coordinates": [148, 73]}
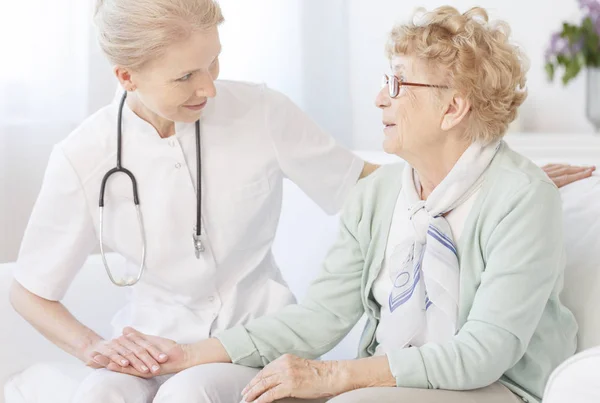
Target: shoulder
{"type": "Point", "coordinates": [373, 192]}
{"type": "Point", "coordinates": [517, 185]}
{"type": "Point", "coordinates": [514, 175]}
{"type": "Point", "coordinates": [92, 141]}
{"type": "Point", "coordinates": [243, 100]}
{"type": "Point", "coordinates": [244, 94]}
{"type": "Point", "coordinates": [239, 91]}
{"type": "Point", "coordinates": [517, 168]}
{"type": "Point", "coordinates": [249, 93]}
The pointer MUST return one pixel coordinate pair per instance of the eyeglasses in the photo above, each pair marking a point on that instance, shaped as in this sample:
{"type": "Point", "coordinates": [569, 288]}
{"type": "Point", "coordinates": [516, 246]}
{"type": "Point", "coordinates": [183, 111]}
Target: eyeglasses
{"type": "Point", "coordinates": [394, 85]}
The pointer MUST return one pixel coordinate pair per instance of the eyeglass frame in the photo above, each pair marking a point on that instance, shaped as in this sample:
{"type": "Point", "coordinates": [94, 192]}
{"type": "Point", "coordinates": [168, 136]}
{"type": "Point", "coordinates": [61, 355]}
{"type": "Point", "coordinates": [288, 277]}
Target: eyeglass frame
{"type": "Point", "coordinates": [399, 83]}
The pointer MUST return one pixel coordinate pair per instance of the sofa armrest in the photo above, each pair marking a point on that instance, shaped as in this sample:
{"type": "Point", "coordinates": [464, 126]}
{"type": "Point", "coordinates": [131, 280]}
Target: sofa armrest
{"type": "Point", "coordinates": [576, 380]}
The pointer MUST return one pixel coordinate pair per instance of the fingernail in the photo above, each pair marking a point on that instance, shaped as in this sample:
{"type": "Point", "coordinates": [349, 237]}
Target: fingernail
{"type": "Point", "coordinates": [162, 356]}
{"type": "Point", "coordinates": [124, 362]}
{"type": "Point", "coordinates": [155, 368]}
{"type": "Point", "coordinates": [144, 368]}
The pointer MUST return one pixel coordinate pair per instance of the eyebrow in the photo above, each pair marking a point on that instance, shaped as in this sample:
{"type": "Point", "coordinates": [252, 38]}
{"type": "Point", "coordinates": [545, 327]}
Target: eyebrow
{"type": "Point", "coordinates": [185, 73]}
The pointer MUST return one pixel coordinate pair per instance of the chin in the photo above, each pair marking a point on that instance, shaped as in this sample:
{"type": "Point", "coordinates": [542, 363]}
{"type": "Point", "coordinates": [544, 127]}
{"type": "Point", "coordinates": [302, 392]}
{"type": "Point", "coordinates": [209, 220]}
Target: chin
{"type": "Point", "coordinates": [188, 117]}
{"type": "Point", "coordinates": [390, 145]}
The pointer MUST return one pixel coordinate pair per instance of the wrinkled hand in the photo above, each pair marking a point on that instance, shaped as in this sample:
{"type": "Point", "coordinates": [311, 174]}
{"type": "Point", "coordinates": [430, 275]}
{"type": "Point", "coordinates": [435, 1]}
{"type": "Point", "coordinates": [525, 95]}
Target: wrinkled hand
{"type": "Point", "coordinates": [174, 361]}
{"type": "Point", "coordinates": [563, 175]}
{"type": "Point", "coordinates": [291, 376]}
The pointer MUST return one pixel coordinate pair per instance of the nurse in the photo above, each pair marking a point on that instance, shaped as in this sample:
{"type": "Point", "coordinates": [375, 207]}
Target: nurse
{"type": "Point", "coordinates": [165, 55]}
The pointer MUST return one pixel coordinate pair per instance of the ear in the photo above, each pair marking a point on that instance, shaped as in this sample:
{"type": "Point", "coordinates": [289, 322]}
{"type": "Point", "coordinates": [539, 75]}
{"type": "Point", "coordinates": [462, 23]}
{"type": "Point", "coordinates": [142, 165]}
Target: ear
{"type": "Point", "coordinates": [124, 77]}
{"type": "Point", "coordinates": [457, 110]}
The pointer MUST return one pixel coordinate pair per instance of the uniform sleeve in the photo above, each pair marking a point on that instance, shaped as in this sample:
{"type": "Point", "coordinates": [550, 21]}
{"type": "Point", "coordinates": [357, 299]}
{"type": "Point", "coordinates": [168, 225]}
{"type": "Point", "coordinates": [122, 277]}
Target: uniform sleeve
{"type": "Point", "coordinates": [308, 156]}
{"type": "Point", "coordinates": [60, 233]}
{"type": "Point", "coordinates": [330, 310]}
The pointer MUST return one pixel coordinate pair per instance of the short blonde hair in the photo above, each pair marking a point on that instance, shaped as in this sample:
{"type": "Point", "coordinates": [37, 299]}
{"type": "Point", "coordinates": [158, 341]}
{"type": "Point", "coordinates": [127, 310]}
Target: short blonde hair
{"type": "Point", "coordinates": [134, 32]}
{"type": "Point", "coordinates": [477, 58]}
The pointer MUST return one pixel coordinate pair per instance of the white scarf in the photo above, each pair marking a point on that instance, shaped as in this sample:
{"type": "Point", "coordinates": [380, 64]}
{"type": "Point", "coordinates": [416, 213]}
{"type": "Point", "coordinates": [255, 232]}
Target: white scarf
{"type": "Point", "coordinates": [429, 275]}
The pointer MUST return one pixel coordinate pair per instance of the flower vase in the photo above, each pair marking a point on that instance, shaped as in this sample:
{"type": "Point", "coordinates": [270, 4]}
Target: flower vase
{"type": "Point", "coordinates": [593, 97]}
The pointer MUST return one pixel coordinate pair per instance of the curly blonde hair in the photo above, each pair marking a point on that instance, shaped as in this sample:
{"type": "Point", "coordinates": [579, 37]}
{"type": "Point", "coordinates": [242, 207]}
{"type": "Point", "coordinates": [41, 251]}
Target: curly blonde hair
{"type": "Point", "coordinates": [478, 59]}
{"type": "Point", "coordinates": [133, 32]}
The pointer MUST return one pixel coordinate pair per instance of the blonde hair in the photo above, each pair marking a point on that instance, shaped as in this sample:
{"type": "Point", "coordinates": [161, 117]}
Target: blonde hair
{"type": "Point", "coordinates": [477, 58]}
{"type": "Point", "coordinates": [134, 32]}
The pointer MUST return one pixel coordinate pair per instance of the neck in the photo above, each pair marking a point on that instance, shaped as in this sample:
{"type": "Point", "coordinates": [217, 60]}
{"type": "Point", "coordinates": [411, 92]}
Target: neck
{"type": "Point", "coordinates": [164, 127]}
{"type": "Point", "coordinates": [433, 166]}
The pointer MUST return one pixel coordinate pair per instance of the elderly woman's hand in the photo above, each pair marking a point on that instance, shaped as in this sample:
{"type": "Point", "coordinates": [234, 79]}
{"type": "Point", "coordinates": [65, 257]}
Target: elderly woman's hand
{"type": "Point", "coordinates": [563, 175]}
{"type": "Point", "coordinates": [291, 376]}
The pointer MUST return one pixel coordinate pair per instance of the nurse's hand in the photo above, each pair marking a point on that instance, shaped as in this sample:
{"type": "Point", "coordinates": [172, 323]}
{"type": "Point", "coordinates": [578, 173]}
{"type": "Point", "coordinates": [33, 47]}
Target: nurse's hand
{"type": "Point", "coordinates": [563, 175]}
{"type": "Point", "coordinates": [158, 347]}
{"type": "Point", "coordinates": [125, 351]}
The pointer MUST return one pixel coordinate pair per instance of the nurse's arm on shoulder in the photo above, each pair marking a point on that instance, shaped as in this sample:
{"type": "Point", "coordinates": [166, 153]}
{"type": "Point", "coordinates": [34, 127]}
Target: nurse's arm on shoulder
{"type": "Point", "coordinates": [311, 158]}
{"type": "Point", "coordinates": [59, 237]}
{"type": "Point", "coordinates": [563, 174]}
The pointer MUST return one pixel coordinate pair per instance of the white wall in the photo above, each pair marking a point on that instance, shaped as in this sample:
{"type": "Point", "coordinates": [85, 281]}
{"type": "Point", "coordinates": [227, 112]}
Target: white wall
{"type": "Point", "coordinates": [549, 107]}
{"type": "Point", "coordinates": [295, 46]}
{"type": "Point", "coordinates": [325, 55]}
{"type": "Point", "coordinates": [298, 47]}
{"type": "Point", "coordinates": [43, 88]}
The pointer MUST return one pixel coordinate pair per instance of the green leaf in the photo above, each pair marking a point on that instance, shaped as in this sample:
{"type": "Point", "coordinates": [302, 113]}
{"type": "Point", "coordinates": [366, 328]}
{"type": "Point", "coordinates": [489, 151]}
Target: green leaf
{"type": "Point", "coordinates": [587, 25]}
{"type": "Point", "coordinates": [550, 71]}
{"type": "Point", "coordinates": [572, 69]}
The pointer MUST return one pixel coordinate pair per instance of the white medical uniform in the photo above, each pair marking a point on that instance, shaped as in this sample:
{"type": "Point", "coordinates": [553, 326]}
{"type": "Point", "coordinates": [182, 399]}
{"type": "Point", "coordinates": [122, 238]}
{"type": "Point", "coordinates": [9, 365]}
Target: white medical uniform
{"type": "Point", "coordinates": [252, 138]}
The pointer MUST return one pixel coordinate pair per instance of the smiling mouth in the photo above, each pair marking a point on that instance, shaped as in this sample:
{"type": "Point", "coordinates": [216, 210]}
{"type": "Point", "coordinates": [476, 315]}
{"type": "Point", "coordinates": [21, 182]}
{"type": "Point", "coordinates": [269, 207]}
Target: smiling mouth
{"type": "Point", "coordinates": [197, 107]}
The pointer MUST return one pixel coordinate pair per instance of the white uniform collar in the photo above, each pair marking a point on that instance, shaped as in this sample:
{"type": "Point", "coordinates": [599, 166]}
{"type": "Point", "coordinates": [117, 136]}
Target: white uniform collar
{"type": "Point", "coordinates": [132, 123]}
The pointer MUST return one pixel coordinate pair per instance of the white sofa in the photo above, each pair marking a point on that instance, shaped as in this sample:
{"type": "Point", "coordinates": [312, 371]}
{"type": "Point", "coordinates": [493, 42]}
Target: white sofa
{"type": "Point", "coordinates": [33, 370]}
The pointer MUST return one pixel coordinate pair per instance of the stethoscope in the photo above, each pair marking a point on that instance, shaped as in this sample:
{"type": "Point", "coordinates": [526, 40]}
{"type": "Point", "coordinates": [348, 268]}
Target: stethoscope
{"type": "Point", "coordinates": [198, 247]}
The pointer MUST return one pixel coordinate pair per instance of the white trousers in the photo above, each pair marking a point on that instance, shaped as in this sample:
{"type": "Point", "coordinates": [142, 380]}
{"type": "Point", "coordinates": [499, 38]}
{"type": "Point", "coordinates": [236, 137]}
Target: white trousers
{"type": "Point", "coordinates": [210, 383]}
{"type": "Point", "coordinates": [223, 383]}
{"type": "Point", "coordinates": [214, 383]}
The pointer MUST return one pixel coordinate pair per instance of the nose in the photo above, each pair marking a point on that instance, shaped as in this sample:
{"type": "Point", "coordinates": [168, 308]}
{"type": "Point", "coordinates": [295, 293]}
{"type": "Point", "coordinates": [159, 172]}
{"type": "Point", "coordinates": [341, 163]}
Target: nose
{"type": "Point", "coordinates": [206, 86]}
{"type": "Point", "coordinates": [382, 100]}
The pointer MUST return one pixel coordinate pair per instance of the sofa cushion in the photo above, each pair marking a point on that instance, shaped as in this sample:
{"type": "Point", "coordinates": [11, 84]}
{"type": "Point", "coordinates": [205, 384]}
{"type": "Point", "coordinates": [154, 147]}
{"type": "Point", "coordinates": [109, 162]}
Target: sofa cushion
{"type": "Point", "coordinates": [45, 382]}
{"type": "Point", "coordinates": [581, 205]}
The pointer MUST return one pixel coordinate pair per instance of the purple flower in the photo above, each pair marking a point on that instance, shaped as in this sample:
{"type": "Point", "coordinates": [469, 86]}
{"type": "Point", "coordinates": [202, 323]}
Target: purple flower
{"type": "Point", "coordinates": [592, 6]}
{"type": "Point", "coordinates": [592, 10]}
{"type": "Point", "coordinates": [560, 46]}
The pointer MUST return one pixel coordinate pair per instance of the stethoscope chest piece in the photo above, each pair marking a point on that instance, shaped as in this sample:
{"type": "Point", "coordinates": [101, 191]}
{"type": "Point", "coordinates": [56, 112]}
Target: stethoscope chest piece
{"type": "Point", "coordinates": [198, 246]}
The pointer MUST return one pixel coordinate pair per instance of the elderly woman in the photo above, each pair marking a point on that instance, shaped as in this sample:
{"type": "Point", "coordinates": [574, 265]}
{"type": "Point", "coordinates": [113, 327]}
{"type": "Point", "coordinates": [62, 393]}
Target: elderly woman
{"type": "Point", "coordinates": [456, 257]}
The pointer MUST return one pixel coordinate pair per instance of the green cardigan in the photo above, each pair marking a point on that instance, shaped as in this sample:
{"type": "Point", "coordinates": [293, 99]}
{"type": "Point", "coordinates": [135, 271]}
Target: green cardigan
{"type": "Point", "coordinates": [512, 325]}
